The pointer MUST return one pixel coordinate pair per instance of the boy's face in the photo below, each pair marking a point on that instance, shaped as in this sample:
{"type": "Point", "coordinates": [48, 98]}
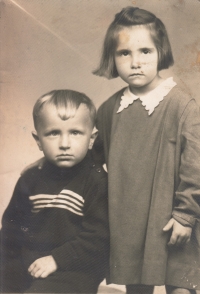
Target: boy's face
{"type": "Point", "coordinates": [64, 142]}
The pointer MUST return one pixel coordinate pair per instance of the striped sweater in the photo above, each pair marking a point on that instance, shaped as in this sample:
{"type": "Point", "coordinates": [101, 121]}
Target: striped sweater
{"type": "Point", "coordinates": [59, 212]}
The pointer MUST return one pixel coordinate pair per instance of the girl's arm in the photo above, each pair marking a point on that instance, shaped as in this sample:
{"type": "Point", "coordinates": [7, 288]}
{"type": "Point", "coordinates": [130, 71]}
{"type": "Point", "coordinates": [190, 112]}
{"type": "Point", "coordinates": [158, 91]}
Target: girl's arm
{"type": "Point", "coordinates": [187, 197]}
{"type": "Point", "coordinates": [98, 151]}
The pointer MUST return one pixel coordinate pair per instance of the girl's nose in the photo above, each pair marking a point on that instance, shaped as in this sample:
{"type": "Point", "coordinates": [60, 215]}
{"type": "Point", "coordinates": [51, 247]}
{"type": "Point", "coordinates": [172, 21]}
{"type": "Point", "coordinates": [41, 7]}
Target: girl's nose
{"type": "Point", "coordinates": [64, 142]}
{"type": "Point", "coordinates": [135, 61]}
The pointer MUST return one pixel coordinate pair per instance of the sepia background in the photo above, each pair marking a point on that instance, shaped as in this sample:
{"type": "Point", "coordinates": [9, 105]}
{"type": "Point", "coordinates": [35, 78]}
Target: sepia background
{"type": "Point", "coordinates": [52, 44]}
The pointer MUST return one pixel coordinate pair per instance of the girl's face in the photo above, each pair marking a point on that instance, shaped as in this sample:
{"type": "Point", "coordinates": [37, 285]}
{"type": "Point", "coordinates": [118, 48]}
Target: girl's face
{"type": "Point", "coordinates": [136, 59]}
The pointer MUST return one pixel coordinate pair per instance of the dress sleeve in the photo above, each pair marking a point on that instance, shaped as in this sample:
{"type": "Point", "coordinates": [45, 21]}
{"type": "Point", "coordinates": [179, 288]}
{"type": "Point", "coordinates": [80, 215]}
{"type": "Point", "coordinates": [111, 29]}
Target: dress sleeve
{"type": "Point", "coordinates": [90, 247]}
{"type": "Point", "coordinates": [187, 197]}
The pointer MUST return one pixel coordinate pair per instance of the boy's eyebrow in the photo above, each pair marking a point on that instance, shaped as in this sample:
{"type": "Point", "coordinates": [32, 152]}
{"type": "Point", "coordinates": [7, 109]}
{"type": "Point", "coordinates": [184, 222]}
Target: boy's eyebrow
{"type": "Point", "coordinates": [49, 130]}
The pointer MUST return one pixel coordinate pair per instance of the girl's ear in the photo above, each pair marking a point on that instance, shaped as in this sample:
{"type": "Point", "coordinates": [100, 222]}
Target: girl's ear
{"type": "Point", "coordinates": [92, 138]}
{"type": "Point", "coordinates": [37, 140]}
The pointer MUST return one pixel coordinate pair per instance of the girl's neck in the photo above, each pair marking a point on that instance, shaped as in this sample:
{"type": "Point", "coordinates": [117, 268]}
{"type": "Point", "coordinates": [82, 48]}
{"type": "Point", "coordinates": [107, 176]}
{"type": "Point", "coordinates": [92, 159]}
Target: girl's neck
{"type": "Point", "coordinates": [142, 91]}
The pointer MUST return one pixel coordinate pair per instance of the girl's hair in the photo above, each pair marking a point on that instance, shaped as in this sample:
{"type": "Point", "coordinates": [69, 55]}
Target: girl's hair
{"type": "Point", "coordinates": [132, 16]}
{"type": "Point", "coordinates": [66, 102]}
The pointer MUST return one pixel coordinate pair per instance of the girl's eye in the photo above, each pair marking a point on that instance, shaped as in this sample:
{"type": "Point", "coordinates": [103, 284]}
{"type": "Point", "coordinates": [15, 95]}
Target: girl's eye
{"type": "Point", "coordinates": [146, 51]}
{"type": "Point", "coordinates": [124, 53]}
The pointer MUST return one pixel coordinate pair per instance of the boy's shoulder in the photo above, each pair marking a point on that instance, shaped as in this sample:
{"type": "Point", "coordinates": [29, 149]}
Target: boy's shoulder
{"type": "Point", "coordinates": [88, 171]}
{"type": "Point", "coordinates": [31, 174]}
{"type": "Point", "coordinates": [97, 172]}
{"type": "Point", "coordinates": [31, 170]}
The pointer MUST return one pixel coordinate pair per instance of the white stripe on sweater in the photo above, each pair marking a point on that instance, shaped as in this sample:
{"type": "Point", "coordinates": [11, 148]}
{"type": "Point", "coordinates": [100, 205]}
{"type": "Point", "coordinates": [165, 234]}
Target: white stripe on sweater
{"type": "Point", "coordinates": [66, 199]}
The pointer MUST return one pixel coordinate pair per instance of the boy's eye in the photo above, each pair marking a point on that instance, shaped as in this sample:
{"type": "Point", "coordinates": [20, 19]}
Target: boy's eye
{"type": "Point", "coordinates": [53, 133]}
{"type": "Point", "coordinates": [75, 133]}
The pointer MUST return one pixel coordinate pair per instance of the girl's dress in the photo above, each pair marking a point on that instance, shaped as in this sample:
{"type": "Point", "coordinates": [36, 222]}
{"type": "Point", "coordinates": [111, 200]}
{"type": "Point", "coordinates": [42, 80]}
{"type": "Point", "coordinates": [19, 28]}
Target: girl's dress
{"type": "Point", "coordinates": [153, 156]}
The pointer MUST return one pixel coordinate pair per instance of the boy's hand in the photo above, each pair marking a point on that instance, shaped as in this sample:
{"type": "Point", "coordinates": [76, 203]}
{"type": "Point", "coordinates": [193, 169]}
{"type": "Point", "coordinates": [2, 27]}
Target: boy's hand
{"type": "Point", "coordinates": [42, 267]}
{"type": "Point", "coordinates": [180, 234]}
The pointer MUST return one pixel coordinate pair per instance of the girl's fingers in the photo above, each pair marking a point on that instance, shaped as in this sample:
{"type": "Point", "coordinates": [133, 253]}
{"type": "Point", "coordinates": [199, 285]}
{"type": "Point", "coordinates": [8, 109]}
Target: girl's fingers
{"type": "Point", "coordinates": [178, 240]}
{"type": "Point", "coordinates": [169, 225]}
{"type": "Point", "coordinates": [173, 240]}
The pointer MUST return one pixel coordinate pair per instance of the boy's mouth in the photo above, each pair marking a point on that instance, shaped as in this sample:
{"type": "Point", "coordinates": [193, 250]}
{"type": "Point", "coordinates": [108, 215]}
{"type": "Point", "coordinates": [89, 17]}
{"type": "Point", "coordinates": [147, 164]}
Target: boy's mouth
{"type": "Point", "coordinates": [60, 156]}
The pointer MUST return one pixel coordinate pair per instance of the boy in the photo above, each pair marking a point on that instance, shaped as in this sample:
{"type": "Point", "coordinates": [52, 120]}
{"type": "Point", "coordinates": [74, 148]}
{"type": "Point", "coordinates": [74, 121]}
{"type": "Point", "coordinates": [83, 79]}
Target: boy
{"type": "Point", "coordinates": [55, 229]}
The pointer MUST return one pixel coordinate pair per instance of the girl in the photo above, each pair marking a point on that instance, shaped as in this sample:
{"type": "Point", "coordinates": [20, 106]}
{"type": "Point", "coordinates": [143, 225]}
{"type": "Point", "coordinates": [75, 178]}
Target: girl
{"type": "Point", "coordinates": [149, 136]}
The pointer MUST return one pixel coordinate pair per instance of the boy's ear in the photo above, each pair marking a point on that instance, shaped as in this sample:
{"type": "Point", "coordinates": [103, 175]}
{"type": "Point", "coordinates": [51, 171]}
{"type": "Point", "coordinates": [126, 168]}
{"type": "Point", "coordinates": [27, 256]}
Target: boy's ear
{"type": "Point", "coordinates": [93, 137]}
{"type": "Point", "coordinates": [37, 140]}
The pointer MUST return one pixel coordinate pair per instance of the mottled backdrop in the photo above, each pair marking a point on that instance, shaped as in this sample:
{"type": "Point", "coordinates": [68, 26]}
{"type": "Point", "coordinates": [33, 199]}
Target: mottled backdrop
{"type": "Point", "coordinates": [48, 44]}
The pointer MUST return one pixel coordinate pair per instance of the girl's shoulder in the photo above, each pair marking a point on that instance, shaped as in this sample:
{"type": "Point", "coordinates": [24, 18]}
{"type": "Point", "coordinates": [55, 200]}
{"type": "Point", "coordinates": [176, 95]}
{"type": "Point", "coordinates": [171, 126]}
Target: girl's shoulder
{"type": "Point", "coordinates": [181, 98]}
{"type": "Point", "coordinates": [181, 93]}
{"type": "Point", "coordinates": [181, 103]}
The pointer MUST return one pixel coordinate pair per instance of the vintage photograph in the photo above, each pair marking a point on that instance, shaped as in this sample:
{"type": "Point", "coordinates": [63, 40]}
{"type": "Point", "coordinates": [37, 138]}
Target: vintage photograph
{"type": "Point", "coordinates": [100, 146]}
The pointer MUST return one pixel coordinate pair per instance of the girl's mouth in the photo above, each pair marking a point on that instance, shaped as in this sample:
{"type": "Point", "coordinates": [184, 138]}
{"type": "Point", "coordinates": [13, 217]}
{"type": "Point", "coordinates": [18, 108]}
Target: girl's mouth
{"type": "Point", "coordinates": [136, 74]}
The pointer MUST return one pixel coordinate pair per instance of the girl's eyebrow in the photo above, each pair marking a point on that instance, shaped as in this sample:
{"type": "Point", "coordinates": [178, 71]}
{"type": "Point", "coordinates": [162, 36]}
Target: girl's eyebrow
{"type": "Point", "coordinates": [125, 49]}
{"type": "Point", "coordinates": [149, 48]}
{"type": "Point", "coordinates": [122, 50]}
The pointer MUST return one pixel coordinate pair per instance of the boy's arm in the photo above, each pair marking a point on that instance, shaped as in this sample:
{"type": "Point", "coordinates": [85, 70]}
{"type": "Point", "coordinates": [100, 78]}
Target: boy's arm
{"type": "Point", "coordinates": [90, 247]}
{"type": "Point", "coordinates": [14, 221]}
{"type": "Point", "coordinates": [12, 269]}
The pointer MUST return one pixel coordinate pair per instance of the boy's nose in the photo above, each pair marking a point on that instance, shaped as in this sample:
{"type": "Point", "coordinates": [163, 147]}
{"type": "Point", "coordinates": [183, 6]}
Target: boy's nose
{"type": "Point", "coordinates": [64, 142]}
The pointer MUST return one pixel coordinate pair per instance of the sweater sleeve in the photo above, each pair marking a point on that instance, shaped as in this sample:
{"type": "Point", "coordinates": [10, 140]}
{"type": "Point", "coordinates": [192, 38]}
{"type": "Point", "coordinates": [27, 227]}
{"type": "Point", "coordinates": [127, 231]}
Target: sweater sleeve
{"type": "Point", "coordinates": [14, 221]}
{"type": "Point", "coordinates": [89, 249]}
{"type": "Point", "coordinates": [187, 196]}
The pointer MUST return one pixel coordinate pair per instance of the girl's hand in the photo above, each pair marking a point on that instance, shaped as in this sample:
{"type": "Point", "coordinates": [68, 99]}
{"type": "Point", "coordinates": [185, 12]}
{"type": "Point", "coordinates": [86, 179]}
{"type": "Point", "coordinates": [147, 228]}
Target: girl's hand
{"type": "Point", "coordinates": [180, 234]}
{"type": "Point", "coordinates": [42, 267]}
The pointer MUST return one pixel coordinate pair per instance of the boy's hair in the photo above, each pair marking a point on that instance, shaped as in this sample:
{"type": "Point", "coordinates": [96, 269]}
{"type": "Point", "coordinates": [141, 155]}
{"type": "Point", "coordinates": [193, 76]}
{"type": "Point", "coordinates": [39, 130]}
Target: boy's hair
{"type": "Point", "coordinates": [66, 102]}
{"type": "Point", "coordinates": [132, 16]}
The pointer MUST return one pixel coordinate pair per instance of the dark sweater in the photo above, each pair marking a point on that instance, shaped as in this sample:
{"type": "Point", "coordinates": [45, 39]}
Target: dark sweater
{"type": "Point", "coordinates": [63, 213]}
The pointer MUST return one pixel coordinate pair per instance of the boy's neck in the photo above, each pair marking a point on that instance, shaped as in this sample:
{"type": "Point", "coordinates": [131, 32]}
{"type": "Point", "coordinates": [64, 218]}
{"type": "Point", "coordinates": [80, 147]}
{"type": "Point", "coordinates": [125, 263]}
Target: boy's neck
{"type": "Point", "coordinates": [52, 168]}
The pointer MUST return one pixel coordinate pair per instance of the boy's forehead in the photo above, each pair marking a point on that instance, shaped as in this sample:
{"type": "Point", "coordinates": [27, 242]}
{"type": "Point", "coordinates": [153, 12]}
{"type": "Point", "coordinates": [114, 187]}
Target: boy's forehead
{"type": "Point", "coordinates": [49, 112]}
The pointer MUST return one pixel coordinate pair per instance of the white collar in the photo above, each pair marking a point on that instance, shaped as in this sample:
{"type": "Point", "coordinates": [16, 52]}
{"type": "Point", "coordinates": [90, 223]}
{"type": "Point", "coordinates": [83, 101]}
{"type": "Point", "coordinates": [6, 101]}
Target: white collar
{"type": "Point", "coordinates": [151, 99]}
